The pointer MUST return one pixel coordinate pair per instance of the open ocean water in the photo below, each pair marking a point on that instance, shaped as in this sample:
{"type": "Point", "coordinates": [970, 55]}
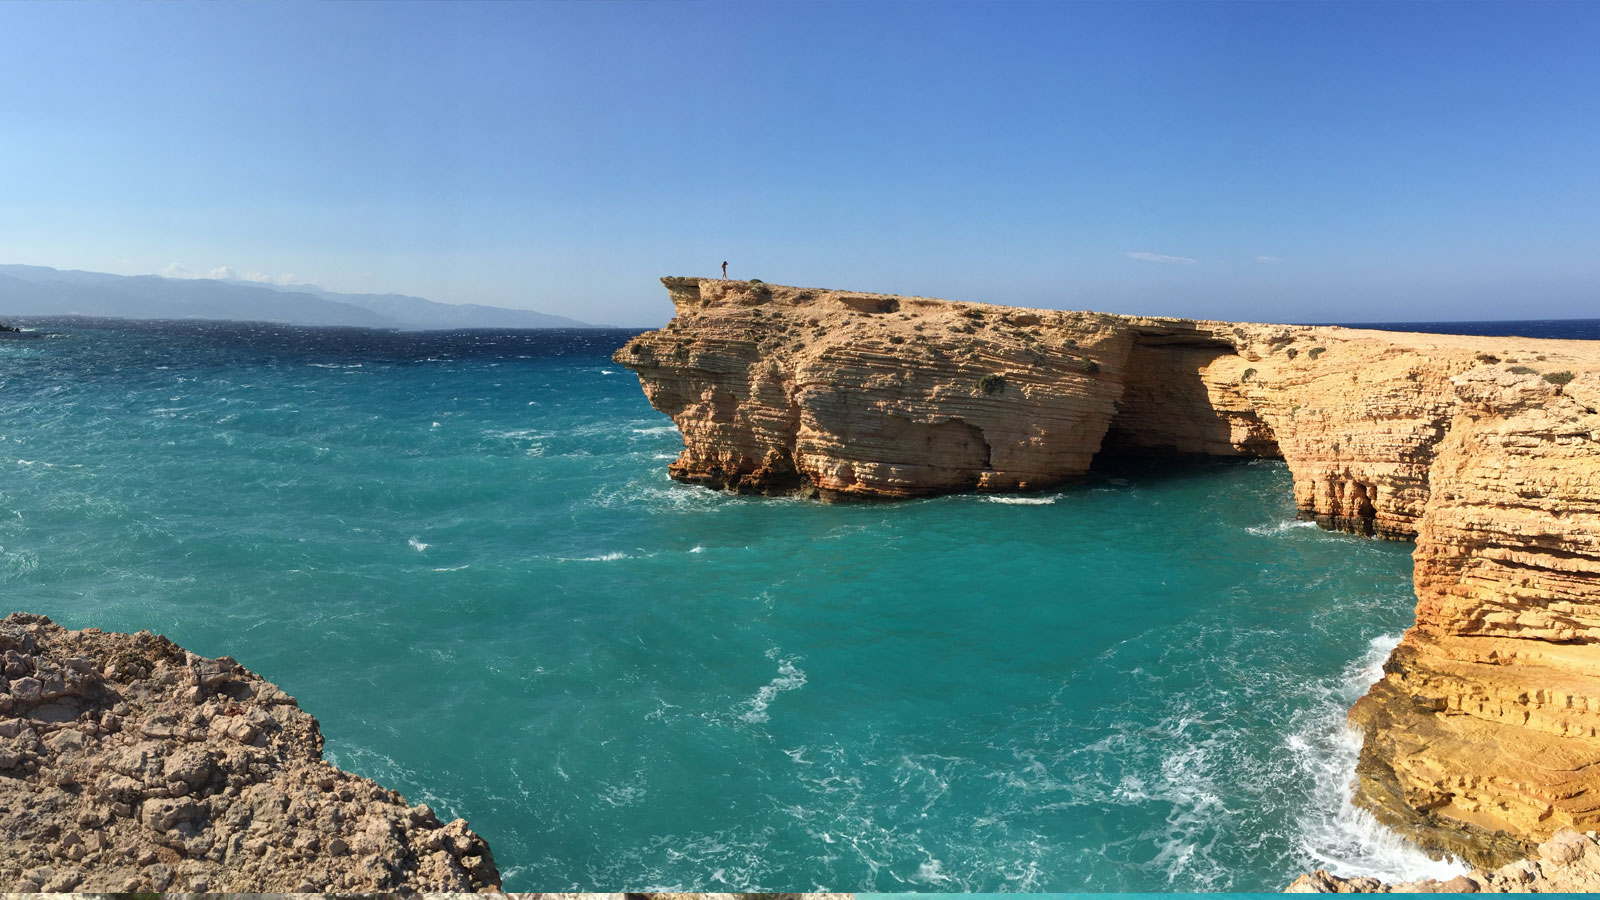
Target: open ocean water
{"type": "Point", "coordinates": [462, 553]}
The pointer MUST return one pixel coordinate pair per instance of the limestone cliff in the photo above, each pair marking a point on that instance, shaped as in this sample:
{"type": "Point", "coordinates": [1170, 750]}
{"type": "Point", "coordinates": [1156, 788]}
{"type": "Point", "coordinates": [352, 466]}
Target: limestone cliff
{"type": "Point", "coordinates": [128, 765]}
{"type": "Point", "coordinates": [1482, 737]}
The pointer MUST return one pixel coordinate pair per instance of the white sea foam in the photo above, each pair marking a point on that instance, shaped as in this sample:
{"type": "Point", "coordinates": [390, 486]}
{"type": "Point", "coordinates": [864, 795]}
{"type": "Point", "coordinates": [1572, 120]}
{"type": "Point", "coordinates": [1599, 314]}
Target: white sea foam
{"type": "Point", "coordinates": [452, 568]}
{"type": "Point", "coordinates": [417, 545]}
{"type": "Point", "coordinates": [604, 557]}
{"type": "Point", "coordinates": [659, 429]}
{"type": "Point", "coordinates": [790, 678]}
{"type": "Point", "coordinates": [1280, 527]}
{"type": "Point", "coordinates": [1024, 501]}
{"type": "Point", "coordinates": [520, 434]}
{"type": "Point", "coordinates": [697, 549]}
{"type": "Point", "coordinates": [1335, 833]}
{"type": "Point", "coordinates": [931, 872]}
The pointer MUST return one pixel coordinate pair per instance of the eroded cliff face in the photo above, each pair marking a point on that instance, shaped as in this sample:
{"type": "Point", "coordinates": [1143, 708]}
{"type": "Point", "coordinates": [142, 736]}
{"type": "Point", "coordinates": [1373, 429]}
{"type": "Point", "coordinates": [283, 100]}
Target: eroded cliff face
{"type": "Point", "coordinates": [777, 389]}
{"type": "Point", "coordinates": [1481, 739]}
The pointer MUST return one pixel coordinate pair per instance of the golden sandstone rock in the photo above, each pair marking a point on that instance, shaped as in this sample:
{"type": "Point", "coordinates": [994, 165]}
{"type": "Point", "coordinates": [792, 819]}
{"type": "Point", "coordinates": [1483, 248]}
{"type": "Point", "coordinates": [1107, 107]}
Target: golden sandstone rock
{"type": "Point", "coordinates": [1481, 739]}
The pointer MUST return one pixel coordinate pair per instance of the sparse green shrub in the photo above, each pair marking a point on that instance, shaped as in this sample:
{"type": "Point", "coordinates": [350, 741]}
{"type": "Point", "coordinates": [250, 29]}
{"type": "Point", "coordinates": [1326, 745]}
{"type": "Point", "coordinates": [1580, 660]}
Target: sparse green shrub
{"type": "Point", "coordinates": [993, 383]}
{"type": "Point", "coordinates": [757, 281]}
{"type": "Point", "coordinates": [1315, 352]}
{"type": "Point", "coordinates": [896, 339]}
{"type": "Point", "coordinates": [1248, 374]}
{"type": "Point", "coordinates": [1522, 370]}
{"type": "Point", "coordinates": [1069, 343]}
{"type": "Point", "coordinates": [1487, 358]}
{"type": "Point", "coordinates": [1090, 366]}
{"type": "Point", "coordinates": [1559, 378]}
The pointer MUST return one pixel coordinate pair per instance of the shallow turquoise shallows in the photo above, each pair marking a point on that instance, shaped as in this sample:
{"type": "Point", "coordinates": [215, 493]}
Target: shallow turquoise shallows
{"type": "Point", "coordinates": [463, 555]}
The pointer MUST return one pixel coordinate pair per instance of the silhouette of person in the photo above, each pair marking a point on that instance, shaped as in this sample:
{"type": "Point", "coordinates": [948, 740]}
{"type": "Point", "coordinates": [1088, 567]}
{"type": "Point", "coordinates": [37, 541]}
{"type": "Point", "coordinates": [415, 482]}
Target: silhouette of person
{"type": "Point", "coordinates": [724, 270]}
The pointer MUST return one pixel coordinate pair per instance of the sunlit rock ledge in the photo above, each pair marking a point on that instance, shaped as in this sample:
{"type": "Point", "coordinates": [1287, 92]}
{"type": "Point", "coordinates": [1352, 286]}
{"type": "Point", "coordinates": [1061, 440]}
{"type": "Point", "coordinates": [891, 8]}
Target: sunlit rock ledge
{"type": "Point", "coordinates": [1481, 738]}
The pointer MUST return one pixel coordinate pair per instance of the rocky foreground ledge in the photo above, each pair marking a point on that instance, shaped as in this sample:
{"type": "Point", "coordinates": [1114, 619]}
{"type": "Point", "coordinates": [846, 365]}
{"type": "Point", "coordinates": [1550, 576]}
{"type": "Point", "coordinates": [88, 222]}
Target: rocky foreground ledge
{"type": "Point", "coordinates": [128, 764]}
{"type": "Point", "coordinates": [1482, 739]}
{"type": "Point", "coordinates": [1568, 863]}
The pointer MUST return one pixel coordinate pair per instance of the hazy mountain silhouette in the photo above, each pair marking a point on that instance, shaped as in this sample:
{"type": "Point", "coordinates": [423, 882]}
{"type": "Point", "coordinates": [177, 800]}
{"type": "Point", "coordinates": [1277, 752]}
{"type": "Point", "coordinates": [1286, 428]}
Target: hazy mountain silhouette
{"type": "Point", "coordinates": [42, 291]}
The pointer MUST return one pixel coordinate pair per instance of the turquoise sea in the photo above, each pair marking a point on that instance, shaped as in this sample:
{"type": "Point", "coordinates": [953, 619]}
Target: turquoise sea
{"type": "Point", "coordinates": [462, 553]}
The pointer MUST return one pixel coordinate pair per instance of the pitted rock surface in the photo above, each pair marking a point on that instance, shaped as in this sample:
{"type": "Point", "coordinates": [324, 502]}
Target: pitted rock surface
{"type": "Point", "coordinates": [128, 764]}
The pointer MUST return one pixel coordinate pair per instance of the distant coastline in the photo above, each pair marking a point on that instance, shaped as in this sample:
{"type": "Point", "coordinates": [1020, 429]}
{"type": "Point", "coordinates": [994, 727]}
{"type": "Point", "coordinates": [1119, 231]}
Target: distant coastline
{"type": "Point", "coordinates": [43, 291]}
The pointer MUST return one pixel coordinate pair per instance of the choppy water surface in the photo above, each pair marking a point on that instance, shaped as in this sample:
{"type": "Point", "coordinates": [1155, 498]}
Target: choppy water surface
{"type": "Point", "coordinates": [462, 553]}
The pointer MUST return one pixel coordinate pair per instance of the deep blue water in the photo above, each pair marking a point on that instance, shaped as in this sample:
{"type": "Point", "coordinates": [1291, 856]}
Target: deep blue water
{"type": "Point", "coordinates": [462, 553]}
{"type": "Point", "coordinates": [1569, 329]}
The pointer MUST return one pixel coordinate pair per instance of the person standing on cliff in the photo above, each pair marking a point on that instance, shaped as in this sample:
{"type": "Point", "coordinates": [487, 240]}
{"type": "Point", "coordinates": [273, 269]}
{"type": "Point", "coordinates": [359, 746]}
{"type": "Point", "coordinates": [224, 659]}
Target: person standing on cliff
{"type": "Point", "coordinates": [724, 270]}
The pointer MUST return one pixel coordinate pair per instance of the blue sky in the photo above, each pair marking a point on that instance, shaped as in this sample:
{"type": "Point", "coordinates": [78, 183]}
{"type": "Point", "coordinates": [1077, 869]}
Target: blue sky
{"type": "Point", "coordinates": [1278, 162]}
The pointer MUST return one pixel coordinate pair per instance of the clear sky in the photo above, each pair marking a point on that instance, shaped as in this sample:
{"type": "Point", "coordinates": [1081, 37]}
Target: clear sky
{"type": "Point", "coordinates": [1265, 161]}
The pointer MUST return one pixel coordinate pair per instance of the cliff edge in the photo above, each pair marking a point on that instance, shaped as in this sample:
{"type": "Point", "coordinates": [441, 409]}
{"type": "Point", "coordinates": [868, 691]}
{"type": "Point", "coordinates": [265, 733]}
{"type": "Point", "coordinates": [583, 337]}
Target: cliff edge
{"type": "Point", "coordinates": [1481, 739]}
{"type": "Point", "coordinates": [128, 764]}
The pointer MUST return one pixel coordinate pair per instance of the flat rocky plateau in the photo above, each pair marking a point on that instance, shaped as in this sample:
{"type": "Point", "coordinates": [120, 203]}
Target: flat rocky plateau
{"type": "Point", "coordinates": [128, 764]}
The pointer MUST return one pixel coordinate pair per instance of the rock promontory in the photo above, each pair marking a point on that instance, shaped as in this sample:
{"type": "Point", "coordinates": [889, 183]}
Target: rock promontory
{"type": "Point", "coordinates": [1482, 739]}
{"type": "Point", "coordinates": [128, 764]}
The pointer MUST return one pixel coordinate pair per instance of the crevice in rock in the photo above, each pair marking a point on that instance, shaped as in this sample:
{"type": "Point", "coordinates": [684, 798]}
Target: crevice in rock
{"type": "Point", "coordinates": [1170, 407]}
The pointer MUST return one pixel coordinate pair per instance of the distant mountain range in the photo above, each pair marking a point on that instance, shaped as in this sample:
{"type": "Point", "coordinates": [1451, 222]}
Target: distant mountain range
{"type": "Point", "coordinates": [42, 291]}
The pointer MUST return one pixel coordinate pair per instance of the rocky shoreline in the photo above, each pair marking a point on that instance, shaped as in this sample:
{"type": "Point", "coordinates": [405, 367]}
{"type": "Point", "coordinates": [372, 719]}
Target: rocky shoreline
{"type": "Point", "coordinates": [128, 764]}
{"type": "Point", "coordinates": [1568, 863]}
{"type": "Point", "coordinates": [1482, 739]}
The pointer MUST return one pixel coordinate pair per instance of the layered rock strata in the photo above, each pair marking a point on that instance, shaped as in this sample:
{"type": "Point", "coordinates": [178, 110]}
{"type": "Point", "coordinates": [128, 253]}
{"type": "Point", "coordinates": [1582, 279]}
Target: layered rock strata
{"type": "Point", "coordinates": [1481, 739]}
{"type": "Point", "coordinates": [1568, 863]}
{"type": "Point", "coordinates": [128, 764]}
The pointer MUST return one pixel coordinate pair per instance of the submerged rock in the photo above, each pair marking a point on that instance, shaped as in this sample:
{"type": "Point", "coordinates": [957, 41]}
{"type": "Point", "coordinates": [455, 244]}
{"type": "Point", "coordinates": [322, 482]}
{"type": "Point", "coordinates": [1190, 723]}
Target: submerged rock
{"type": "Point", "coordinates": [128, 764]}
